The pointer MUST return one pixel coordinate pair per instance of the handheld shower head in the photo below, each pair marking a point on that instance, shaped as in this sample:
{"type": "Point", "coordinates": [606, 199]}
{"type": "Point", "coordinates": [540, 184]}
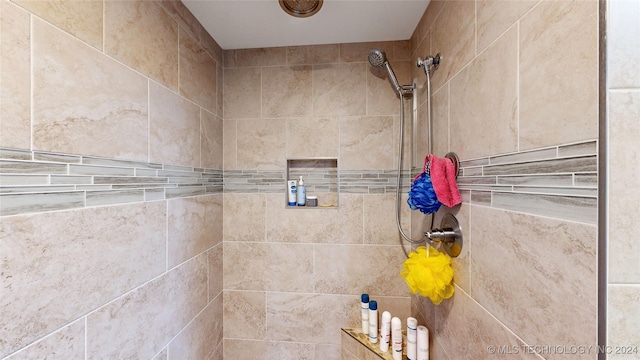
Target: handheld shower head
{"type": "Point", "coordinates": [378, 58]}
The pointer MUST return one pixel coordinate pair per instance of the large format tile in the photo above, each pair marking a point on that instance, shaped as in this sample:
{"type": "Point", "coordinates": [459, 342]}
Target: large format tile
{"type": "Point", "coordinates": [142, 35]}
{"type": "Point", "coordinates": [623, 320]}
{"type": "Point", "coordinates": [366, 143]}
{"type": "Point", "coordinates": [112, 121]}
{"type": "Point", "coordinates": [244, 217]}
{"type": "Point", "coordinates": [484, 103]}
{"type": "Point", "coordinates": [496, 16]}
{"type": "Point", "coordinates": [65, 343]}
{"type": "Point", "coordinates": [198, 73]}
{"type": "Point", "coordinates": [267, 350]}
{"type": "Point", "coordinates": [174, 128]}
{"type": "Point", "coordinates": [140, 323]}
{"type": "Point", "coordinates": [339, 89]}
{"type": "Point", "coordinates": [194, 225]}
{"type": "Point", "coordinates": [313, 137]}
{"type": "Point", "coordinates": [313, 54]}
{"type": "Point", "coordinates": [201, 337]}
{"type": "Point", "coordinates": [82, 19]}
{"type": "Point", "coordinates": [15, 77]}
{"type": "Point", "coordinates": [624, 175]}
{"type": "Point", "coordinates": [547, 267]}
{"type": "Point", "coordinates": [244, 315]}
{"type": "Point", "coordinates": [566, 31]}
{"type": "Point", "coordinates": [623, 44]}
{"type": "Point", "coordinates": [55, 264]}
{"type": "Point", "coordinates": [211, 143]}
{"type": "Point", "coordinates": [261, 144]}
{"type": "Point", "coordinates": [242, 93]}
{"type": "Point", "coordinates": [380, 219]}
{"type": "Point", "coordinates": [381, 95]}
{"type": "Point", "coordinates": [215, 262]}
{"type": "Point", "coordinates": [286, 91]}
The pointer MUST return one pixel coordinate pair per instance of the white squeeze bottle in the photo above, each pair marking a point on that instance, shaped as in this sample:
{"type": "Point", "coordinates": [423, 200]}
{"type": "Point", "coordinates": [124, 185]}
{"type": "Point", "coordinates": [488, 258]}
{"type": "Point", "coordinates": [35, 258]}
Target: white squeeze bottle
{"type": "Point", "coordinates": [385, 331]}
{"type": "Point", "coordinates": [412, 336]}
{"type": "Point", "coordinates": [302, 193]}
{"type": "Point", "coordinates": [423, 343]}
{"type": "Point", "coordinates": [396, 338]}
{"type": "Point", "coordinates": [364, 307]}
{"type": "Point", "coordinates": [373, 321]}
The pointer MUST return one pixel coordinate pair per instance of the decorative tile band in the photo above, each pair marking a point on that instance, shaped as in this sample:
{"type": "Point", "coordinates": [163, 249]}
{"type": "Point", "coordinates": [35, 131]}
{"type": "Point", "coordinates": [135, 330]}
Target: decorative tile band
{"type": "Point", "coordinates": [33, 181]}
{"type": "Point", "coordinates": [560, 181]}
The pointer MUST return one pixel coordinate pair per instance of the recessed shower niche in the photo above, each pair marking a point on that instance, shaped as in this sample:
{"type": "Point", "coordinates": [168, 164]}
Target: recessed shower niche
{"type": "Point", "coordinates": [321, 179]}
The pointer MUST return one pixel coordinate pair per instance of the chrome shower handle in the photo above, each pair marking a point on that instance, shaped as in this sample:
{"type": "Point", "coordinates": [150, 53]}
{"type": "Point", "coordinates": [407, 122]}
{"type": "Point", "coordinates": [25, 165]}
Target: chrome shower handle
{"type": "Point", "coordinates": [449, 235]}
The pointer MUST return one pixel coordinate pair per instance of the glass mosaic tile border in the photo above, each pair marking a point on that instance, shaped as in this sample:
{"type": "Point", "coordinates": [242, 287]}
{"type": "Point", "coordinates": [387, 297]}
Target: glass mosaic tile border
{"type": "Point", "coordinates": [559, 181]}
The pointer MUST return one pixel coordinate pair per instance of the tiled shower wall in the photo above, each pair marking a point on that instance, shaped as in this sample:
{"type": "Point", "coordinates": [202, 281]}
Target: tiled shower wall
{"type": "Point", "coordinates": [110, 181]}
{"type": "Point", "coordinates": [623, 57]}
{"type": "Point", "coordinates": [293, 277]}
{"type": "Point", "coordinates": [516, 97]}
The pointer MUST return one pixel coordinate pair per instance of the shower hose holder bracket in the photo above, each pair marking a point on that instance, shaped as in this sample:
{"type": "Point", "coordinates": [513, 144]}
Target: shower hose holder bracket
{"type": "Point", "coordinates": [449, 235]}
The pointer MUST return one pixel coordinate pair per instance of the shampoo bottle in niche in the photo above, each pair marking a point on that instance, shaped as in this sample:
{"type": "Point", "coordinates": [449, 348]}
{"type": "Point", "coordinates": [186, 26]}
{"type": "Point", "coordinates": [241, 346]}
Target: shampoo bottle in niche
{"type": "Point", "coordinates": [291, 192]}
{"type": "Point", "coordinates": [385, 331]}
{"type": "Point", "coordinates": [423, 343]}
{"type": "Point", "coordinates": [302, 193]}
{"type": "Point", "coordinates": [364, 308]}
{"type": "Point", "coordinates": [373, 321]}
{"type": "Point", "coordinates": [412, 337]}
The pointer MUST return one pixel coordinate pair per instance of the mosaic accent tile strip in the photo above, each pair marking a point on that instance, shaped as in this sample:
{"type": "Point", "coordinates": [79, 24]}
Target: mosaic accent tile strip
{"type": "Point", "coordinates": [34, 181]}
{"type": "Point", "coordinates": [559, 182]}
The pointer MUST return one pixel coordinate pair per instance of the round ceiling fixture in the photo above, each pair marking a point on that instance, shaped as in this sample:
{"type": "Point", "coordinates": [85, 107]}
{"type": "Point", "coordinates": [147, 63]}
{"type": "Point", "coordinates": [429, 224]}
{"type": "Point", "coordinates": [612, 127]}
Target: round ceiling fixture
{"type": "Point", "coordinates": [301, 8]}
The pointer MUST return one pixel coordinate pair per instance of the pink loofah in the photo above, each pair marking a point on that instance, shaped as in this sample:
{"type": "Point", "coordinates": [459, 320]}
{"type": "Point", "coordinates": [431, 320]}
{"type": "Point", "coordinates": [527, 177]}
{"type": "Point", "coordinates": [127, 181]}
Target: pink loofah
{"type": "Point", "coordinates": [443, 177]}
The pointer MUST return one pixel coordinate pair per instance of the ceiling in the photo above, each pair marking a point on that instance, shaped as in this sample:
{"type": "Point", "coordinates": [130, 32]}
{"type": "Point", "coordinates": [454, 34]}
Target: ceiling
{"type": "Point", "coordinates": [245, 24]}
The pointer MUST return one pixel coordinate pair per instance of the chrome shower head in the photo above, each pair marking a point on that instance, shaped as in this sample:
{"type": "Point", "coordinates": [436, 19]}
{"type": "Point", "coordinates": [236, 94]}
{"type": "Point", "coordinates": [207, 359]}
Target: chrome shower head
{"type": "Point", "coordinates": [378, 58]}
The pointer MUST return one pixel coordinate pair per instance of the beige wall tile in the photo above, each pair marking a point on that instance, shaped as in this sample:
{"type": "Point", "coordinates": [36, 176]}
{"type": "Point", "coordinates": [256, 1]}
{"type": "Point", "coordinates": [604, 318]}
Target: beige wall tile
{"type": "Point", "coordinates": [313, 137]}
{"type": "Point", "coordinates": [229, 58]}
{"type": "Point", "coordinates": [366, 143]}
{"type": "Point", "coordinates": [261, 57]}
{"type": "Point", "coordinates": [453, 35]}
{"type": "Point", "coordinates": [296, 317]}
{"type": "Point", "coordinates": [198, 73]}
{"type": "Point", "coordinates": [229, 145]}
{"type": "Point", "coordinates": [567, 31]}
{"type": "Point", "coordinates": [381, 96]}
{"type": "Point", "coordinates": [313, 54]}
{"type": "Point", "coordinates": [484, 103]}
{"type": "Point", "coordinates": [244, 217]}
{"type": "Point", "coordinates": [215, 261]}
{"type": "Point", "coordinates": [551, 275]}
{"type": "Point", "coordinates": [211, 143]}
{"type": "Point", "coordinates": [623, 318]}
{"type": "Point", "coordinates": [211, 46]}
{"type": "Point", "coordinates": [268, 266]}
{"type": "Point", "coordinates": [286, 91]}
{"type": "Point", "coordinates": [242, 93]}
{"type": "Point", "coordinates": [261, 144]}
{"type": "Point", "coordinates": [359, 52]}
{"type": "Point", "coordinates": [143, 36]}
{"type": "Point", "coordinates": [65, 343]}
{"type": "Point", "coordinates": [121, 329]}
{"type": "Point", "coordinates": [183, 16]}
{"type": "Point", "coordinates": [339, 89]}
{"type": "Point", "coordinates": [15, 78]}
{"type": "Point", "coordinates": [496, 16]}
{"type": "Point", "coordinates": [460, 264]}
{"type": "Point", "coordinates": [174, 128]}
{"type": "Point", "coordinates": [200, 338]}
{"type": "Point", "coordinates": [326, 351]}
{"type": "Point", "coordinates": [45, 254]}
{"type": "Point", "coordinates": [220, 89]}
{"type": "Point", "coordinates": [268, 350]}
{"type": "Point", "coordinates": [82, 19]}
{"type": "Point", "coordinates": [244, 315]}
{"type": "Point", "coordinates": [433, 10]}
{"type": "Point", "coordinates": [112, 121]}
{"type": "Point", "coordinates": [624, 155]}
{"type": "Point", "coordinates": [194, 225]}
{"type": "Point", "coordinates": [162, 355]}
{"type": "Point", "coordinates": [407, 135]}
{"type": "Point", "coordinates": [623, 44]}
{"type": "Point", "coordinates": [351, 269]}
{"type": "Point", "coordinates": [380, 219]}
{"type": "Point", "coordinates": [462, 318]}
{"type": "Point", "coordinates": [342, 225]}
{"type": "Point", "coordinates": [439, 123]}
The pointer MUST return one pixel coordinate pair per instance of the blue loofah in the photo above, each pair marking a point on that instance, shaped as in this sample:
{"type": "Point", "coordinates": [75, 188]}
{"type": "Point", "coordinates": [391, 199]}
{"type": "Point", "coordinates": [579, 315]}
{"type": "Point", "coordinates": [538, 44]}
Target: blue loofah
{"type": "Point", "coordinates": [422, 196]}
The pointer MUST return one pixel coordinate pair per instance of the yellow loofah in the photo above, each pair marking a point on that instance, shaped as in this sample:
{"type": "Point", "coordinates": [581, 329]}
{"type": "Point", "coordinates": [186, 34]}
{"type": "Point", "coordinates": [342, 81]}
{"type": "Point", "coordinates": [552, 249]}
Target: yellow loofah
{"type": "Point", "coordinates": [430, 276]}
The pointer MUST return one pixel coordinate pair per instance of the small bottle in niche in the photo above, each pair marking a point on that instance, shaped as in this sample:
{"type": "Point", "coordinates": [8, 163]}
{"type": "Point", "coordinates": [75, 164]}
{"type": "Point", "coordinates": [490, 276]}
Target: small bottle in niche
{"type": "Point", "coordinates": [373, 321]}
{"type": "Point", "coordinates": [364, 308]}
{"type": "Point", "coordinates": [302, 193]}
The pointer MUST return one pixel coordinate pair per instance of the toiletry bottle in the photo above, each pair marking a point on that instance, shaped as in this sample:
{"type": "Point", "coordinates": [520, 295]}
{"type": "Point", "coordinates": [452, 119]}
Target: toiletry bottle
{"type": "Point", "coordinates": [364, 307]}
{"type": "Point", "coordinates": [385, 331]}
{"type": "Point", "coordinates": [373, 321]}
{"type": "Point", "coordinates": [291, 192]}
{"type": "Point", "coordinates": [396, 338]}
{"type": "Point", "coordinates": [423, 343]}
{"type": "Point", "coordinates": [302, 193]}
{"type": "Point", "coordinates": [412, 328]}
